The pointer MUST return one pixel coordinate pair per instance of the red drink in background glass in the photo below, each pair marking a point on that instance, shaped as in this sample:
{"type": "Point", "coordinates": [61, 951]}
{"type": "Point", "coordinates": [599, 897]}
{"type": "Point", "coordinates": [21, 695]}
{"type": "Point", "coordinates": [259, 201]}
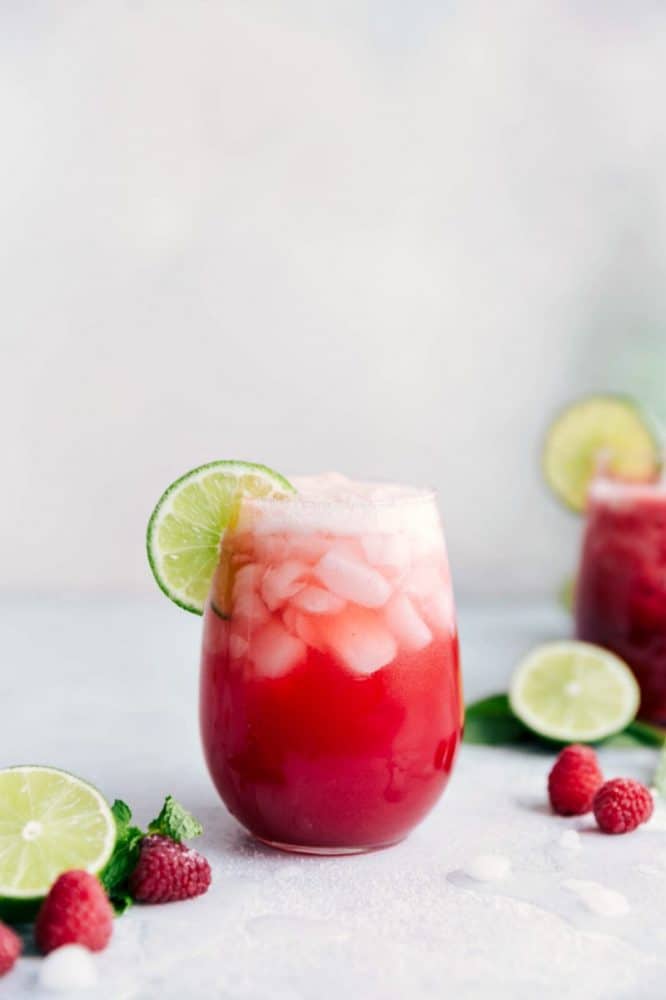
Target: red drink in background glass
{"type": "Point", "coordinates": [331, 706]}
{"type": "Point", "coordinates": [621, 585]}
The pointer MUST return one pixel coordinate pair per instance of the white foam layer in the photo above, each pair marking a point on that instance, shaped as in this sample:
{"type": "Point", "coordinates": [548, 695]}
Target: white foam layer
{"type": "Point", "coordinates": [619, 492]}
{"type": "Point", "coordinates": [335, 505]}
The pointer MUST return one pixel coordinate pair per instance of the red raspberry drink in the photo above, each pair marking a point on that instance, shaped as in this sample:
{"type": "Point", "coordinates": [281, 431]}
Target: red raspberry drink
{"type": "Point", "coordinates": [621, 585]}
{"type": "Point", "coordinates": [331, 706]}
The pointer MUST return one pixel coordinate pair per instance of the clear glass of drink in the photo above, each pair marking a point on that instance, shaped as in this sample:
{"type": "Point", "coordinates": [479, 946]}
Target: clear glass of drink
{"type": "Point", "coordinates": [330, 698]}
{"type": "Point", "coordinates": [621, 585]}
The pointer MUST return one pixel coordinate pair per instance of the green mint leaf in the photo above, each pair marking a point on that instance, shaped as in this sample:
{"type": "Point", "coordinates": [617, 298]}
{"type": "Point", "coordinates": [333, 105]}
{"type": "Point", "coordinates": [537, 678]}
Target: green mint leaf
{"type": "Point", "coordinates": [123, 861]}
{"type": "Point", "coordinates": [122, 815]}
{"type": "Point", "coordinates": [637, 734]}
{"type": "Point", "coordinates": [121, 902]}
{"type": "Point", "coordinates": [176, 822]}
{"type": "Point", "coordinates": [491, 722]}
{"type": "Point", "coordinates": [659, 780]}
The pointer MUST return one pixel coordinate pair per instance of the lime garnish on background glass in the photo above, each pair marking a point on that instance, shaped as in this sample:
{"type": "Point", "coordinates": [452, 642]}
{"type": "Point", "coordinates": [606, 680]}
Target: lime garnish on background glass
{"type": "Point", "coordinates": [574, 692]}
{"type": "Point", "coordinates": [191, 516]}
{"type": "Point", "coordinates": [600, 432]}
{"type": "Point", "coordinates": [50, 822]}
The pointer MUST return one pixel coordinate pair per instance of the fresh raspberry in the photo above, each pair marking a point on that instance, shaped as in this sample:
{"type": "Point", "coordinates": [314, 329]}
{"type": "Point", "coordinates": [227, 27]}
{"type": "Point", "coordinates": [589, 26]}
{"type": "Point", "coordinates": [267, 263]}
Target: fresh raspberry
{"type": "Point", "coordinates": [168, 871]}
{"type": "Point", "coordinates": [11, 947]}
{"type": "Point", "coordinates": [76, 911]}
{"type": "Point", "coordinates": [621, 805]}
{"type": "Point", "coordinates": [574, 780]}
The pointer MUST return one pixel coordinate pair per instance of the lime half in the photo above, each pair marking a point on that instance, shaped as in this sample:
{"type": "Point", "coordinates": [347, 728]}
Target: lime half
{"type": "Point", "coordinates": [50, 822]}
{"type": "Point", "coordinates": [574, 692]}
{"type": "Point", "coordinates": [190, 519]}
{"type": "Point", "coordinates": [600, 431]}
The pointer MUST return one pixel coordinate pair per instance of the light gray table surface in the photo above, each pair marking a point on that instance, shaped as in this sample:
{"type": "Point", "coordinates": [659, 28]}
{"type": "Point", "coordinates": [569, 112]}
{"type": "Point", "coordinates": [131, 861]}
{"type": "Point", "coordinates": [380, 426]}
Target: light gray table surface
{"type": "Point", "coordinates": [107, 688]}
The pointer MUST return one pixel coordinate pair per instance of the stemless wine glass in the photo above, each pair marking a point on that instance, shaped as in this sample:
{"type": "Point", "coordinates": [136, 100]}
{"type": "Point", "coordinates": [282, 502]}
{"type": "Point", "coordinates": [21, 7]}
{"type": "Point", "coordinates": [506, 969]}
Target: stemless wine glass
{"type": "Point", "coordinates": [331, 706]}
{"type": "Point", "coordinates": [620, 598]}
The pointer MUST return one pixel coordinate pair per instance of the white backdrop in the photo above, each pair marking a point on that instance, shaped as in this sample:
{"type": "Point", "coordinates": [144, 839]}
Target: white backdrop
{"type": "Point", "coordinates": [380, 237]}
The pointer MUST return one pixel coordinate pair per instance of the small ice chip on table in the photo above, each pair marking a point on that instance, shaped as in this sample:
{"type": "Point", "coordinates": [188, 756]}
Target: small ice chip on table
{"type": "Point", "coordinates": [488, 868]}
{"type": "Point", "coordinates": [570, 840]}
{"type": "Point", "coordinates": [67, 969]}
{"type": "Point", "coordinates": [598, 898]}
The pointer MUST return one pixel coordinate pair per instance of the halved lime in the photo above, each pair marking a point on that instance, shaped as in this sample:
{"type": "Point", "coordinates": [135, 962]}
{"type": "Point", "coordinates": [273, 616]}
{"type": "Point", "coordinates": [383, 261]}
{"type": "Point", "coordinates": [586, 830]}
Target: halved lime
{"type": "Point", "coordinates": [607, 431]}
{"type": "Point", "coordinates": [574, 692]}
{"type": "Point", "coordinates": [189, 521]}
{"type": "Point", "coordinates": [50, 822]}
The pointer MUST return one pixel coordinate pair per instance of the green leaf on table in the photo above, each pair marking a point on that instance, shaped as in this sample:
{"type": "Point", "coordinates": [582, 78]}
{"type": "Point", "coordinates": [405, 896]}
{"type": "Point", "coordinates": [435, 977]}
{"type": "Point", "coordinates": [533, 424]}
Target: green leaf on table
{"type": "Point", "coordinates": [123, 861]}
{"type": "Point", "coordinates": [490, 721]}
{"type": "Point", "coordinates": [659, 780]}
{"type": "Point", "coordinates": [175, 821]}
{"type": "Point", "coordinates": [637, 734]}
{"type": "Point", "coordinates": [122, 815]}
{"type": "Point", "coordinates": [125, 855]}
{"type": "Point", "coordinates": [121, 902]}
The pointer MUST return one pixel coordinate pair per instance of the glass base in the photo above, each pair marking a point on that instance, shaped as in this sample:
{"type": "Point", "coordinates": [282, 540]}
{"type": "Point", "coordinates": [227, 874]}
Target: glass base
{"type": "Point", "coordinates": [326, 851]}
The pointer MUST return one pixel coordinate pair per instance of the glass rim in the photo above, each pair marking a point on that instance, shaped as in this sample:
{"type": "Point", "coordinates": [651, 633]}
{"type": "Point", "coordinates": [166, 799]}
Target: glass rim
{"type": "Point", "coordinates": [604, 485]}
{"type": "Point", "coordinates": [411, 496]}
{"type": "Point", "coordinates": [359, 503]}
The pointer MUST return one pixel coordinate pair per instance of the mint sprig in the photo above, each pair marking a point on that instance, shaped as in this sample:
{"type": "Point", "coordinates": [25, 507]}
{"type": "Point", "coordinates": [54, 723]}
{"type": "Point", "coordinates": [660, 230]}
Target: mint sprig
{"type": "Point", "coordinates": [174, 821]}
{"type": "Point", "coordinates": [491, 722]}
{"type": "Point", "coordinates": [659, 780]}
{"type": "Point", "coordinates": [125, 855]}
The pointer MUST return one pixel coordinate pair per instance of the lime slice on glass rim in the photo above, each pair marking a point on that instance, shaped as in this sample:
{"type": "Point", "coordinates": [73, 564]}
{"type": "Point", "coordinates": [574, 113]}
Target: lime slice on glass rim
{"type": "Point", "coordinates": [599, 431]}
{"type": "Point", "coordinates": [50, 822]}
{"type": "Point", "coordinates": [189, 521]}
{"type": "Point", "coordinates": [574, 692]}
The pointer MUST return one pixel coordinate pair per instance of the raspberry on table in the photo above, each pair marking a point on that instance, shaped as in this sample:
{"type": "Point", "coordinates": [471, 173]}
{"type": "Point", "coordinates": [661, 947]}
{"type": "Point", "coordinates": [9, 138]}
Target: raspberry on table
{"type": "Point", "coordinates": [10, 948]}
{"type": "Point", "coordinates": [574, 780]}
{"type": "Point", "coordinates": [168, 871]}
{"type": "Point", "coordinates": [76, 911]}
{"type": "Point", "coordinates": [621, 805]}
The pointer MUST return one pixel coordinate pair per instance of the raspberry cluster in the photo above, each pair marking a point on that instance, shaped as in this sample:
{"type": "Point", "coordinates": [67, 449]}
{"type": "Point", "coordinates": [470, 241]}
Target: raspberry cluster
{"type": "Point", "coordinates": [576, 785]}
